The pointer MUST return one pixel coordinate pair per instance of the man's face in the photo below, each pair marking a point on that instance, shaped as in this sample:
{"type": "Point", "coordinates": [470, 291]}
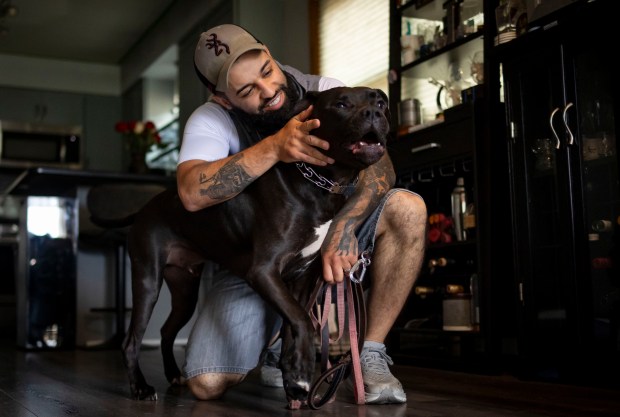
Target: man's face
{"type": "Point", "coordinates": [258, 87]}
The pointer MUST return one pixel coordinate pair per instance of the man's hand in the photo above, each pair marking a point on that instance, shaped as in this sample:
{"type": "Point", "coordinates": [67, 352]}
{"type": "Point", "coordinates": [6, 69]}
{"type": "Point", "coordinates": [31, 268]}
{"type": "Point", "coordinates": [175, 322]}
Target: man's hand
{"type": "Point", "coordinates": [295, 143]}
{"type": "Point", "coordinates": [339, 253]}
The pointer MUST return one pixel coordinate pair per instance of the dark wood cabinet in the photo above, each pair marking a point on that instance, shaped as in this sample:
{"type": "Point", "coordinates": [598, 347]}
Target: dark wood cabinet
{"type": "Point", "coordinates": [538, 153]}
{"type": "Point", "coordinates": [562, 104]}
{"type": "Point", "coordinates": [441, 317]}
{"type": "Point", "coordinates": [457, 315]}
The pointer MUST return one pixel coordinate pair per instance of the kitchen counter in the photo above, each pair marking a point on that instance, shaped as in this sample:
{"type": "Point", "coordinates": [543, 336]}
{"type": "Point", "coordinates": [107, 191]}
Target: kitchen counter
{"type": "Point", "coordinates": [47, 181]}
{"type": "Point", "coordinates": [50, 262]}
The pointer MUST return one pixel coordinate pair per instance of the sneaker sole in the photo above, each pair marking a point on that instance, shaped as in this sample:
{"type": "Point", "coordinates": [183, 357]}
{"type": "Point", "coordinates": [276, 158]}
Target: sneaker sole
{"type": "Point", "coordinates": [387, 396]}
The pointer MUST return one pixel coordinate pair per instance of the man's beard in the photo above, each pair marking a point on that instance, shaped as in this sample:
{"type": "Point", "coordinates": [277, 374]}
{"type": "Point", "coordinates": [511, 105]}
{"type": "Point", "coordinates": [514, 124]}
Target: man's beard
{"type": "Point", "coordinates": [269, 122]}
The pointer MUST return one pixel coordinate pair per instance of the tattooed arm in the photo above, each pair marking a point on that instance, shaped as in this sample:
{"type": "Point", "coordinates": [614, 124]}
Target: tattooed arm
{"type": "Point", "coordinates": [202, 184]}
{"type": "Point", "coordinates": [339, 250]}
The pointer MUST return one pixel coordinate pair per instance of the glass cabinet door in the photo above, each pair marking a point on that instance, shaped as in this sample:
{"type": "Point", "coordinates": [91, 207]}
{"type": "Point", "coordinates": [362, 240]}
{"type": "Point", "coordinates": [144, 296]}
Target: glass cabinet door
{"type": "Point", "coordinates": [440, 56]}
{"type": "Point", "coordinates": [596, 158]}
{"type": "Point", "coordinates": [541, 200]}
{"type": "Point", "coordinates": [562, 109]}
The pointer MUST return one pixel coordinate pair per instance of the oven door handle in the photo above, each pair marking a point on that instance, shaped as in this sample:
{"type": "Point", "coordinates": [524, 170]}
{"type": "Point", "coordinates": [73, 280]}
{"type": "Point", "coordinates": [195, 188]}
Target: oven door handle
{"type": "Point", "coordinates": [421, 148]}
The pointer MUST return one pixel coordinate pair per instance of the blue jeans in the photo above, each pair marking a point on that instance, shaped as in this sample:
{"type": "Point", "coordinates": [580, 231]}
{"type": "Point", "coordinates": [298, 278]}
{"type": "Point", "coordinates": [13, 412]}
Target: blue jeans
{"type": "Point", "coordinates": [236, 324]}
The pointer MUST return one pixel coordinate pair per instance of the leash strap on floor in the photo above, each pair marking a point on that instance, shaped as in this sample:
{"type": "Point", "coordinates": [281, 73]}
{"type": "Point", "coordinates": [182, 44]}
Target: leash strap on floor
{"type": "Point", "coordinates": [354, 311]}
{"type": "Point", "coordinates": [332, 376]}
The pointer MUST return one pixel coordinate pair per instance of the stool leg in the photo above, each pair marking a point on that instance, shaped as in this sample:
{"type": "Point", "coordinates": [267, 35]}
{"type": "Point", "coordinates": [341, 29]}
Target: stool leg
{"type": "Point", "coordinates": [121, 265]}
{"type": "Point", "coordinates": [120, 309]}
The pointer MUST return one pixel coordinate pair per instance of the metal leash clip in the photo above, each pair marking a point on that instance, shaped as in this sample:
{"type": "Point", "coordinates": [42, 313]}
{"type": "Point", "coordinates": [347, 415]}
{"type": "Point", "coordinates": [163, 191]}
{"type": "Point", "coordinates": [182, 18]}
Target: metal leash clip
{"type": "Point", "coordinates": [363, 261]}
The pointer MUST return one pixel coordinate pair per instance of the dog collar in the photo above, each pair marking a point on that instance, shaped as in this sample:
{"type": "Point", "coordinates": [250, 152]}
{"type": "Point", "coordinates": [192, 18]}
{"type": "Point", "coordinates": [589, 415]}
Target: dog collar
{"type": "Point", "coordinates": [322, 182]}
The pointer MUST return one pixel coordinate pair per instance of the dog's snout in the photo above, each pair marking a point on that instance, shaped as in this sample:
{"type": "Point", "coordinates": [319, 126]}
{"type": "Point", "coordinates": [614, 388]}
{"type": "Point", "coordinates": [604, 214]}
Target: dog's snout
{"type": "Point", "coordinates": [373, 111]}
{"type": "Point", "coordinates": [370, 115]}
{"type": "Point", "coordinates": [376, 106]}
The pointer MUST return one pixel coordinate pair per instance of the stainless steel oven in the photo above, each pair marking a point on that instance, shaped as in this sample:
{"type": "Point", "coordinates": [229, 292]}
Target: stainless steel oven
{"type": "Point", "coordinates": [34, 144]}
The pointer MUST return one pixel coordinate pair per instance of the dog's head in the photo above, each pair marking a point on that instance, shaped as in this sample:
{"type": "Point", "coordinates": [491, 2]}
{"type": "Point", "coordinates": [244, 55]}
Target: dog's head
{"type": "Point", "coordinates": [354, 120]}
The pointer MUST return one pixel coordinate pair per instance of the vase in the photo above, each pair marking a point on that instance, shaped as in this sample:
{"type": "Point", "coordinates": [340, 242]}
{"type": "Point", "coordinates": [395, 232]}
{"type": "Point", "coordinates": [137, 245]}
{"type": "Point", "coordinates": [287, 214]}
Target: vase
{"type": "Point", "coordinates": [137, 163]}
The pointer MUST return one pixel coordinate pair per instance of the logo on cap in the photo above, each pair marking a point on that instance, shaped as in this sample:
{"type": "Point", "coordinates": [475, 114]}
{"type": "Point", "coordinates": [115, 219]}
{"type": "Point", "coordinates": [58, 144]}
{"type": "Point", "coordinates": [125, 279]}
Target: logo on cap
{"type": "Point", "coordinates": [217, 45]}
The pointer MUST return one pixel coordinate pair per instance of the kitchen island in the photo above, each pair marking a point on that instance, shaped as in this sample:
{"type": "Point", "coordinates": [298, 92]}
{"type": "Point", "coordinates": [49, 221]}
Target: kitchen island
{"type": "Point", "coordinates": [53, 227]}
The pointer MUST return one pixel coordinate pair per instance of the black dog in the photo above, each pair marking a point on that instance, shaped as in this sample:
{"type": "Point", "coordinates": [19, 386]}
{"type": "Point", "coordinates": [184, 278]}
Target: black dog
{"type": "Point", "coordinates": [250, 235]}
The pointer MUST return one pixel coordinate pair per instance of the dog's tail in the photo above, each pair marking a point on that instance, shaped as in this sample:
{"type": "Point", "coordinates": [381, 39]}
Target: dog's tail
{"type": "Point", "coordinates": [113, 223]}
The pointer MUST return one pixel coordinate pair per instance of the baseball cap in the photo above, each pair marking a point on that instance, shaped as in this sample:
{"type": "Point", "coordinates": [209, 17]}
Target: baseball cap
{"type": "Point", "coordinates": [219, 48]}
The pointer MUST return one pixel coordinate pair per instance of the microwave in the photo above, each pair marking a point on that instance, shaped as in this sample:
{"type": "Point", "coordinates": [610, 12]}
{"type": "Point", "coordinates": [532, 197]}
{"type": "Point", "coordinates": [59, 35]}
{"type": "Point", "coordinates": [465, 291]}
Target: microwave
{"type": "Point", "coordinates": [26, 145]}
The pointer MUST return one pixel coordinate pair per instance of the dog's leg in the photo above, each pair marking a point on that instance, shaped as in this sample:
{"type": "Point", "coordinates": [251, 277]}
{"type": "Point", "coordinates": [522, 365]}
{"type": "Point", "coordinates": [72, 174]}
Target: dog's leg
{"type": "Point", "coordinates": [146, 282]}
{"type": "Point", "coordinates": [183, 284]}
{"type": "Point", "coordinates": [298, 354]}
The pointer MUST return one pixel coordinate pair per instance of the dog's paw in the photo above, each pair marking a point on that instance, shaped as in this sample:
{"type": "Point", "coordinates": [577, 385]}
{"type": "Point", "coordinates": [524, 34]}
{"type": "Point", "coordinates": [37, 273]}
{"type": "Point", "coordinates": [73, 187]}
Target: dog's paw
{"type": "Point", "coordinates": [145, 394]}
{"type": "Point", "coordinates": [296, 393]}
{"type": "Point", "coordinates": [296, 404]}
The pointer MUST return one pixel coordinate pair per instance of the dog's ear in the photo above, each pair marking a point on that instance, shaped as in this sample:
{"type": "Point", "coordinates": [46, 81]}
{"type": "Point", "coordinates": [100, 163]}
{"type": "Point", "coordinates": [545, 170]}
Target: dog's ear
{"type": "Point", "coordinates": [312, 96]}
{"type": "Point", "coordinates": [383, 95]}
{"type": "Point", "coordinates": [309, 98]}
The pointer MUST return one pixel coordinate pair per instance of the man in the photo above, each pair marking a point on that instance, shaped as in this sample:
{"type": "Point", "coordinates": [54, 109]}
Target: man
{"type": "Point", "coordinates": [232, 140]}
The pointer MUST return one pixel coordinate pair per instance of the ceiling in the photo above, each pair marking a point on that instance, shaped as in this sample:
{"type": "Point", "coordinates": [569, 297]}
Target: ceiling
{"type": "Point", "coordinates": [91, 31]}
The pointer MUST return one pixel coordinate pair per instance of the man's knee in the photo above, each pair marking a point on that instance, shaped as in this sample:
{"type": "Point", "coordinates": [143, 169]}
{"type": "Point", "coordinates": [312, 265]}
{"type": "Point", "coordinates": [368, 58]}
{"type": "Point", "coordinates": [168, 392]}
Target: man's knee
{"type": "Point", "coordinates": [212, 386]}
{"type": "Point", "coordinates": [405, 209]}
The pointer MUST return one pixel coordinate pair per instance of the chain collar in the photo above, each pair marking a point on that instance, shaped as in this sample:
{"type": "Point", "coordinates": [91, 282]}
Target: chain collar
{"type": "Point", "coordinates": [321, 181]}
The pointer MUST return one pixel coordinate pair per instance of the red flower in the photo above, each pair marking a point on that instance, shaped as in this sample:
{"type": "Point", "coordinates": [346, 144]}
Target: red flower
{"type": "Point", "coordinates": [121, 127]}
{"type": "Point", "coordinates": [140, 136]}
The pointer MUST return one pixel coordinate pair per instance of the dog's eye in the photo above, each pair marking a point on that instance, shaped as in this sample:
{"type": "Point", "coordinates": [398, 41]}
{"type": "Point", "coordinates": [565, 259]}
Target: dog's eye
{"type": "Point", "coordinates": [381, 104]}
{"type": "Point", "coordinates": [341, 105]}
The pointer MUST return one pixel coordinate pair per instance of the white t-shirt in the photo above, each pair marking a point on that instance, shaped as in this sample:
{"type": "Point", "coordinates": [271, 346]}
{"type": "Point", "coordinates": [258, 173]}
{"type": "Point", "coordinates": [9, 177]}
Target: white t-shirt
{"type": "Point", "coordinates": [210, 133]}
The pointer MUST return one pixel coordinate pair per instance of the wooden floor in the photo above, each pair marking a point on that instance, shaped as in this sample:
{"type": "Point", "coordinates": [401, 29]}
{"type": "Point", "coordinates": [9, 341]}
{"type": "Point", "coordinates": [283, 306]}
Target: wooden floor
{"type": "Point", "coordinates": [94, 384]}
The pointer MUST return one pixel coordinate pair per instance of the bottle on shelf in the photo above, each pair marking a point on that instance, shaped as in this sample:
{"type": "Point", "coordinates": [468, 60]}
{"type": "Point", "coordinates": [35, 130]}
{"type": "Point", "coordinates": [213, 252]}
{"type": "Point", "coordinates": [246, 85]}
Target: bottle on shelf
{"type": "Point", "coordinates": [459, 207]}
{"type": "Point", "coordinates": [423, 291]}
{"type": "Point", "coordinates": [442, 261]}
{"type": "Point", "coordinates": [602, 226]}
{"type": "Point", "coordinates": [439, 262]}
{"type": "Point", "coordinates": [469, 221]}
{"type": "Point", "coordinates": [454, 289]}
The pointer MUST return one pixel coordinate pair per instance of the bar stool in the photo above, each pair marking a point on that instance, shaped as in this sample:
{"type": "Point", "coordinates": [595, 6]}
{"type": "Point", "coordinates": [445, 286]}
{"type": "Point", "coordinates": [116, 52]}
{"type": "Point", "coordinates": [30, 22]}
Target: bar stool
{"type": "Point", "coordinates": [108, 202]}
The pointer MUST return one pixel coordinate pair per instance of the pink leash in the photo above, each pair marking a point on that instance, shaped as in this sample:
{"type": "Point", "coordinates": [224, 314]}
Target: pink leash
{"type": "Point", "coordinates": [333, 375]}
{"type": "Point", "coordinates": [360, 397]}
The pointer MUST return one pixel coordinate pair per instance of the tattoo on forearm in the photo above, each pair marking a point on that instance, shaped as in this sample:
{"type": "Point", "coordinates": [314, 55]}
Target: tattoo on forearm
{"type": "Point", "coordinates": [228, 181]}
{"type": "Point", "coordinates": [376, 180]}
{"type": "Point", "coordinates": [346, 243]}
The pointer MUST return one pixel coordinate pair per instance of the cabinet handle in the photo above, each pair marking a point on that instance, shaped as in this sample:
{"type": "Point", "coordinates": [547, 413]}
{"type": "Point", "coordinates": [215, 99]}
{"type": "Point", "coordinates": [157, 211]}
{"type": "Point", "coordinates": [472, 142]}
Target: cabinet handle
{"type": "Point", "coordinates": [571, 138]}
{"type": "Point", "coordinates": [40, 111]}
{"type": "Point", "coordinates": [557, 138]}
{"type": "Point", "coordinates": [425, 147]}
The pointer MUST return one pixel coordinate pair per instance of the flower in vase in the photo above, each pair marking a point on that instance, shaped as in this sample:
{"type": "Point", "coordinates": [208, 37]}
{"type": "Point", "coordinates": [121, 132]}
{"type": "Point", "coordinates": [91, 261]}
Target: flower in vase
{"type": "Point", "coordinates": [139, 136]}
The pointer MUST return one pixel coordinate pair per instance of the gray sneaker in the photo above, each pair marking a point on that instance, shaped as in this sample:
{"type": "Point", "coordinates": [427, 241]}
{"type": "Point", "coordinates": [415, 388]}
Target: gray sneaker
{"type": "Point", "coordinates": [380, 386]}
{"type": "Point", "coordinates": [270, 373]}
